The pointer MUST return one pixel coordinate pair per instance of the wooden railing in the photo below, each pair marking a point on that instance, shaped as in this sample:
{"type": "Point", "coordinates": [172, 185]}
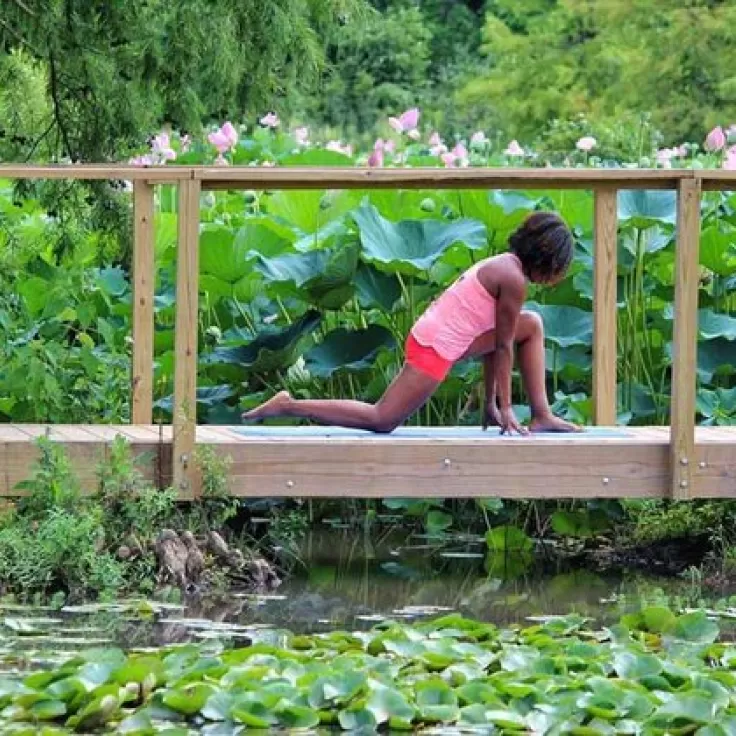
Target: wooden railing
{"type": "Point", "coordinates": [605, 183]}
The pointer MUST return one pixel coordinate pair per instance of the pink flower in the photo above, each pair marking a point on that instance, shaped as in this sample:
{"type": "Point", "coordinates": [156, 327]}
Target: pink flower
{"type": "Point", "coordinates": [270, 121]}
{"type": "Point", "coordinates": [514, 149]}
{"type": "Point", "coordinates": [389, 146]}
{"type": "Point", "coordinates": [681, 151]}
{"type": "Point", "coordinates": [224, 139]}
{"type": "Point", "coordinates": [301, 136]}
{"type": "Point", "coordinates": [438, 150]}
{"type": "Point", "coordinates": [406, 122]}
{"type": "Point", "coordinates": [161, 148]}
{"type": "Point", "coordinates": [375, 160]}
{"type": "Point", "coordinates": [478, 138]}
{"type": "Point", "coordinates": [665, 156]}
{"type": "Point", "coordinates": [414, 134]}
{"type": "Point", "coordinates": [448, 159]}
{"type": "Point", "coordinates": [587, 143]}
{"type": "Point", "coordinates": [729, 162]}
{"type": "Point", "coordinates": [461, 154]}
{"type": "Point", "coordinates": [435, 140]}
{"type": "Point", "coordinates": [221, 160]}
{"type": "Point", "coordinates": [145, 160]}
{"type": "Point", "coordinates": [715, 140]}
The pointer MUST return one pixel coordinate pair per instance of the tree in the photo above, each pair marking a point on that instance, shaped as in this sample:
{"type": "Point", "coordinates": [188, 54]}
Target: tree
{"type": "Point", "coordinates": [116, 70]}
{"type": "Point", "coordinates": [554, 59]}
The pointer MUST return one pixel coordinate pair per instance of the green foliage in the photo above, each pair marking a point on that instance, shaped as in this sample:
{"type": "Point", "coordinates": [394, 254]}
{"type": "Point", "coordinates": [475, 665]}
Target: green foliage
{"type": "Point", "coordinates": [653, 672]}
{"type": "Point", "coordinates": [114, 73]}
{"type": "Point", "coordinates": [552, 60]}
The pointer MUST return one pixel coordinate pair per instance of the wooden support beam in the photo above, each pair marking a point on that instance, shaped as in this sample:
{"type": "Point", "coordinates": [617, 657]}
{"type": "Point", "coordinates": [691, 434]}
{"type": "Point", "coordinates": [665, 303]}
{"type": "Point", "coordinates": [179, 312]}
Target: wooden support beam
{"type": "Point", "coordinates": [144, 279]}
{"type": "Point", "coordinates": [604, 306]}
{"type": "Point", "coordinates": [185, 345]}
{"type": "Point", "coordinates": [684, 356]}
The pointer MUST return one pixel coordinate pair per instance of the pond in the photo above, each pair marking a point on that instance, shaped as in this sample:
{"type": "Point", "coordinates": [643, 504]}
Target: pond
{"type": "Point", "coordinates": [344, 581]}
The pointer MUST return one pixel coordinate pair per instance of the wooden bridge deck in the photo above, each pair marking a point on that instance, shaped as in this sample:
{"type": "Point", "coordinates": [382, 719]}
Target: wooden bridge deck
{"type": "Point", "coordinates": [413, 462]}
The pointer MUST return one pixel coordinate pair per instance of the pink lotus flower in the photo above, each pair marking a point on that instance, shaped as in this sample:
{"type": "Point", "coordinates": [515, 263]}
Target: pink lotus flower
{"type": "Point", "coordinates": [438, 150]}
{"type": "Point", "coordinates": [406, 122]}
{"type": "Point", "coordinates": [270, 121]}
{"type": "Point", "coordinates": [375, 160]}
{"type": "Point", "coordinates": [224, 139]}
{"type": "Point", "coordinates": [145, 160]}
{"type": "Point", "coordinates": [161, 148]}
{"type": "Point", "coordinates": [461, 155]}
{"type": "Point", "coordinates": [301, 136]}
{"type": "Point", "coordinates": [514, 149]}
{"type": "Point", "coordinates": [389, 146]}
{"type": "Point", "coordinates": [715, 140]}
{"type": "Point", "coordinates": [587, 143]}
{"type": "Point", "coordinates": [435, 140]}
{"type": "Point", "coordinates": [665, 156]}
{"type": "Point", "coordinates": [478, 138]}
{"type": "Point", "coordinates": [729, 162]}
{"type": "Point", "coordinates": [448, 159]}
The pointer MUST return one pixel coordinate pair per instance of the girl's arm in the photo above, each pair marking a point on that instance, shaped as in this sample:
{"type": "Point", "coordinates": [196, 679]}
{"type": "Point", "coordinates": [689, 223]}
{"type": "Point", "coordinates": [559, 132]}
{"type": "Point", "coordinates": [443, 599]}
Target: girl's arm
{"type": "Point", "coordinates": [508, 307]}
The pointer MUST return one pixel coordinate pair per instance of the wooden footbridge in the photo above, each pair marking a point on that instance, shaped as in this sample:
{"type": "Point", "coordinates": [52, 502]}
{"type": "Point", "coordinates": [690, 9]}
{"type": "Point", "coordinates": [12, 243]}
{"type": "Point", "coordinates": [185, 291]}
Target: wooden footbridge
{"type": "Point", "coordinates": [682, 461]}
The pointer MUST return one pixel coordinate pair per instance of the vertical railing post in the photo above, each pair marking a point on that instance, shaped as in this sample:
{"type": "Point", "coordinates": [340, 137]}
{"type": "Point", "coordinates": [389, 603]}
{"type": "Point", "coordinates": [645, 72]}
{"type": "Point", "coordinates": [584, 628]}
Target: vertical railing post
{"type": "Point", "coordinates": [604, 305]}
{"type": "Point", "coordinates": [185, 341]}
{"type": "Point", "coordinates": [144, 279]}
{"type": "Point", "coordinates": [684, 355]}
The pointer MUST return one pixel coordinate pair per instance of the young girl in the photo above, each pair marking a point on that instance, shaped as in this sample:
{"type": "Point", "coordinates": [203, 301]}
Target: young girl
{"type": "Point", "coordinates": [480, 315]}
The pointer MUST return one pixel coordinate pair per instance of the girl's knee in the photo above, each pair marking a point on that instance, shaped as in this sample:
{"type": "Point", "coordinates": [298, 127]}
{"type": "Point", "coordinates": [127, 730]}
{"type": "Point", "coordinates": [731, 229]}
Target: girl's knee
{"type": "Point", "coordinates": [530, 324]}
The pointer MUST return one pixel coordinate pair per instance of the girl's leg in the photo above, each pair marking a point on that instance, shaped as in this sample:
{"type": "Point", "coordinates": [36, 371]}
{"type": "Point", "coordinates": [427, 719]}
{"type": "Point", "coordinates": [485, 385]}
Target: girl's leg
{"type": "Point", "coordinates": [530, 350]}
{"type": "Point", "coordinates": [408, 392]}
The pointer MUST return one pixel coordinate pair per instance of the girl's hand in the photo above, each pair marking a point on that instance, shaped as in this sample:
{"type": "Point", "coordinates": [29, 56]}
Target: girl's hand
{"type": "Point", "coordinates": [492, 416]}
{"type": "Point", "coordinates": [510, 424]}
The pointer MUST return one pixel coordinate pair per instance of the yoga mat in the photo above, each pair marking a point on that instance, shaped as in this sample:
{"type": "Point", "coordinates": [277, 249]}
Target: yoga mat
{"type": "Point", "coordinates": [474, 433]}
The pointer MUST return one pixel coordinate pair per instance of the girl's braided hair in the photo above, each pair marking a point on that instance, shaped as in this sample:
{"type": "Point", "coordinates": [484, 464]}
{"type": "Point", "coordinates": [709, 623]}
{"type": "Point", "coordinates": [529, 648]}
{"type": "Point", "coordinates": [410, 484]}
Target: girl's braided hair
{"type": "Point", "coordinates": [544, 245]}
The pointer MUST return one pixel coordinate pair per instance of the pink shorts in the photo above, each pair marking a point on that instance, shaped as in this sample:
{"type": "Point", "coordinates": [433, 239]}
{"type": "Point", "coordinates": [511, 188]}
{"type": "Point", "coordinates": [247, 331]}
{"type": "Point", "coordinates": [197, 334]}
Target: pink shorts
{"type": "Point", "coordinates": [426, 359]}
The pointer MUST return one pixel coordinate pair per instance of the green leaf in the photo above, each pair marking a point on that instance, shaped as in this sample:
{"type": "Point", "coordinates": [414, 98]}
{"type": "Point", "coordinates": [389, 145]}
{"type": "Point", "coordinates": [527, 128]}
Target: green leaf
{"type": "Point", "coordinates": [658, 619]}
{"type": "Point", "coordinates": [189, 699]}
{"type": "Point", "coordinates": [438, 521]}
{"type": "Point", "coordinates": [272, 349]}
{"type": "Point", "coordinates": [695, 627]}
{"type": "Point", "coordinates": [297, 716]}
{"type": "Point", "coordinates": [385, 703]}
{"type": "Point", "coordinates": [348, 350]}
{"type": "Point", "coordinates": [47, 710]}
{"type": "Point", "coordinates": [716, 250]}
{"type": "Point", "coordinates": [565, 326]}
{"type": "Point", "coordinates": [634, 666]}
{"type": "Point", "coordinates": [641, 208]}
{"type": "Point", "coordinates": [508, 538]}
{"type": "Point", "coordinates": [712, 325]}
{"type": "Point", "coordinates": [412, 246]}
{"type": "Point", "coordinates": [218, 706]}
{"type": "Point", "coordinates": [316, 157]}
{"type": "Point", "coordinates": [687, 707]}
{"type": "Point", "coordinates": [376, 289]}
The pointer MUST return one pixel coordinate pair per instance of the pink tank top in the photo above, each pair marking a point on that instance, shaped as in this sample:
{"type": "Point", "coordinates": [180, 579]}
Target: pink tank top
{"type": "Point", "coordinates": [457, 317]}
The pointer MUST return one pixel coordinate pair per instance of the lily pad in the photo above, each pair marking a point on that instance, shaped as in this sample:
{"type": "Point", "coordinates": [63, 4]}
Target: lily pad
{"type": "Point", "coordinates": [348, 350]}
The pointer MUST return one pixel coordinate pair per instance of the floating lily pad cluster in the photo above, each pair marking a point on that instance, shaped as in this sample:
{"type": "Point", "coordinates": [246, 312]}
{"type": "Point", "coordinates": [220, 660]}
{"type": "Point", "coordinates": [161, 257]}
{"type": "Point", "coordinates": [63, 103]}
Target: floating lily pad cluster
{"type": "Point", "coordinates": [653, 673]}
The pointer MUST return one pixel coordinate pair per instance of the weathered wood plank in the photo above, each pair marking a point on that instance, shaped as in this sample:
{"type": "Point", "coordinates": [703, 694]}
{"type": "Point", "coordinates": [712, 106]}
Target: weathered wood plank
{"type": "Point", "coordinates": [185, 345]}
{"type": "Point", "coordinates": [604, 306]}
{"type": "Point", "coordinates": [684, 353]}
{"type": "Point", "coordinates": [249, 177]}
{"type": "Point", "coordinates": [144, 279]}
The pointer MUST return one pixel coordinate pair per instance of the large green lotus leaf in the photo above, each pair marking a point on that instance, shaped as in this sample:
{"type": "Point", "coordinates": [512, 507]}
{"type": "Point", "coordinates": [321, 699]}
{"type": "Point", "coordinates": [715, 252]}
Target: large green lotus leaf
{"type": "Point", "coordinates": [690, 707]}
{"type": "Point", "coordinates": [717, 250]}
{"type": "Point", "coordinates": [565, 326]}
{"type": "Point", "coordinates": [309, 210]}
{"type": "Point", "coordinates": [218, 257]}
{"type": "Point", "coordinates": [316, 157]}
{"type": "Point", "coordinates": [272, 349]}
{"type": "Point", "coordinates": [348, 350]}
{"type": "Point", "coordinates": [376, 289]}
{"type": "Point", "coordinates": [265, 236]}
{"type": "Point", "coordinates": [385, 703]}
{"type": "Point", "coordinates": [575, 206]}
{"type": "Point", "coordinates": [642, 209]}
{"type": "Point", "coordinates": [325, 276]}
{"type": "Point", "coordinates": [413, 245]}
{"type": "Point", "coordinates": [711, 325]}
{"type": "Point", "coordinates": [714, 356]}
{"type": "Point", "coordinates": [501, 212]}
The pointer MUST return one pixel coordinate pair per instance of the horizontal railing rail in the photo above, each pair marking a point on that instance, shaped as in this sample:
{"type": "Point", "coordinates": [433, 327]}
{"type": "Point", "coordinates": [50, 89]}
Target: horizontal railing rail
{"type": "Point", "coordinates": [605, 183]}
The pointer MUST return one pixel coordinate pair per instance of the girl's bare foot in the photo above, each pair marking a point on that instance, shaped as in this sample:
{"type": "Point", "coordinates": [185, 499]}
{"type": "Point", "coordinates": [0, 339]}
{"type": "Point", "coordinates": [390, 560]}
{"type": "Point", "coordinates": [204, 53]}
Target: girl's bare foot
{"type": "Point", "coordinates": [551, 423]}
{"type": "Point", "coordinates": [274, 407]}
